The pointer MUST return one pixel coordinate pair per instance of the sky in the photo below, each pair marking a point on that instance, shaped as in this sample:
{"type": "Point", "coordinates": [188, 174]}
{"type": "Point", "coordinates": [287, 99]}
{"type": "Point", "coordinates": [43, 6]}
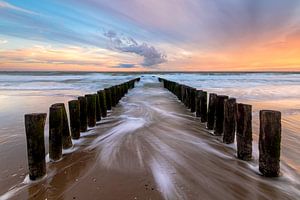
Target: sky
{"type": "Point", "coordinates": [150, 35]}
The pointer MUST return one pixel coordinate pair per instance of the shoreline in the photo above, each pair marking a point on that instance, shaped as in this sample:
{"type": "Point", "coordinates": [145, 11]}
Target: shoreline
{"type": "Point", "coordinates": [182, 159]}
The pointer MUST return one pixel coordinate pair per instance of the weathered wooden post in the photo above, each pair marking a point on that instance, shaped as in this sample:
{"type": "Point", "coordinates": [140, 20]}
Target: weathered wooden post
{"type": "Point", "coordinates": [118, 93]}
{"type": "Point", "coordinates": [102, 98]}
{"type": "Point", "coordinates": [91, 109]}
{"type": "Point", "coordinates": [220, 114]}
{"type": "Point", "coordinates": [203, 104]}
{"type": "Point", "coordinates": [244, 131]}
{"type": "Point", "coordinates": [179, 92]}
{"type": "Point", "coordinates": [55, 132]}
{"type": "Point", "coordinates": [188, 97]}
{"type": "Point", "coordinates": [66, 137]}
{"type": "Point", "coordinates": [113, 96]}
{"type": "Point", "coordinates": [126, 88]}
{"type": "Point", "coordinates": [229, 120]}
{"type": "Point", "coordinates": [83, 114]}
{"type": "Point", "coordinates": [98, 108]}
{"type": "Point", "coordinates": [74, 111]}
{"type": "Point", "coordinates": [193, 100]}
{"type": "Point", "coordinates": [198, 103]}
{"type": "Point", "coordinates": [122, 90]}
{"type": "Point", "coordinates": [269, 142]}
{"type": "Point", "coordinates": [108, 98]}
{"type": "Point", "coordinates": [34, 127]}
{"type": "Point", "coordinates": [183, 94]}
{"type": "Point", "coordinates": [211, 115]}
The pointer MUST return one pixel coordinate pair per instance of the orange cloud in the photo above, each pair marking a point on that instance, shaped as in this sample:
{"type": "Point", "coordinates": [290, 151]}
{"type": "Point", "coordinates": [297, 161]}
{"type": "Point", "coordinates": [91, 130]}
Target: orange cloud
{"type": "Point", "coordinates": [273, 56]}
{"type": "Point", "coordinates": [45, 58]}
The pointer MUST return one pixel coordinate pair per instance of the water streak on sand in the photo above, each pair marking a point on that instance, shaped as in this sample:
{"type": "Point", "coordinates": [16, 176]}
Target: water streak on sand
{"type": "Point", "coordinates": [151, 135]}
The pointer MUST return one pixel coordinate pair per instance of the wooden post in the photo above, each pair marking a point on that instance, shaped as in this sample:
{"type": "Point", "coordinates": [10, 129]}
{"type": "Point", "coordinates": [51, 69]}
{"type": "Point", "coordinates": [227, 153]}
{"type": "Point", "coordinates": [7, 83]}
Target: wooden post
{"type": "Point", "coordinates": [108, 98]}
{"type": "Point", "coordinates": [102, 98]}
{"type": "Point", "coordinates": [203, 104]}
{"type": "Point", "coordinates": [91, 109]}
{"type": "Point", "coordinates": [113, 96]}
{"type": "Point", "coordinates": [198, 103]}
{"type": "Point", "coordinates": [229, 120]}
{"type": "Point", "coordinates": [220, 114]}
{"type": "Point", "coordinates": [211, 115]}
{"type": "Point", "coordinates": [83, 114]}
{"type": "Point", "coordinates": [126, 88]}
{"type": "Point", "coordinates": [55, 132]}
{"type": "Point", "coordinates": [74, 111]}
{"type": "Point", "coordinates": [98, 108]}
{"type": "Point", "coordinates": [244, 131]}
{"type": "Point", "coordinates": [179, 92]}
{"type": "Point", "coordinates": [269, 142]}
{"type": "Point", "coordinates": [188, 97]}
{"type": "Point", "coordinates": [66, 137]}
{"type": "Point", "coordinates": [193, 100]}
{"type": "Point", "coordinates": [34, 127]}
{"type": "Point", "coordinates": [182, 93]}
{"type": "Point", "coordinates": [118, 93]}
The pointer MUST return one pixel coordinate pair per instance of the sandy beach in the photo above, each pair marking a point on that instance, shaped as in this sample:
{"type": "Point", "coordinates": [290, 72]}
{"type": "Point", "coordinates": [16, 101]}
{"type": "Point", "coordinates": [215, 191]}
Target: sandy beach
{"type": "Point", "coordinates": [151, 147]}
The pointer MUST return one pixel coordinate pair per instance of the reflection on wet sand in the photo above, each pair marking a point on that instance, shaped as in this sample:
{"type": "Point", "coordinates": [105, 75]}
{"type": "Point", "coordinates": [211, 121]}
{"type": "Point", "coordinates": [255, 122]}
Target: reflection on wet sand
{"type": "Point", "coordinates": [151, 147]}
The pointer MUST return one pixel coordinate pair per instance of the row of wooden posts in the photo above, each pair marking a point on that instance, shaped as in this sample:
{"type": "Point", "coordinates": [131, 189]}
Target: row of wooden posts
{"type": "Point", "coordinates": [228, 118]}
{"type": "Point", "coordinates": [83, 112]}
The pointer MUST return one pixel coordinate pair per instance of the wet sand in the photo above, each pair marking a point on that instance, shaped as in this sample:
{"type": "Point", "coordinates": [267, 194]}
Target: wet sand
{"type": "Point", "coordinates": [152, 147]}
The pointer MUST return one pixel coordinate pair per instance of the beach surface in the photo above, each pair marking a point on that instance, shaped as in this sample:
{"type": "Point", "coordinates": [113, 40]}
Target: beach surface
{"type": "Point", "coordinates": [151, 147]}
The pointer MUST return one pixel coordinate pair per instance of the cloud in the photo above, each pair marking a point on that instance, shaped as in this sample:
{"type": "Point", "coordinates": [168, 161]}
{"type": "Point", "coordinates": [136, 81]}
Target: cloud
{"type": "Point", "coordinates": [126, 66]}
{"type": "Point", "coordinates": [6, 5]}
{"type": "Point", "coordinates": [129, 45]}
{"type": "Point", "coordinates": [3, 41]}
{"type": "Point", "coordinates": [207, 25]}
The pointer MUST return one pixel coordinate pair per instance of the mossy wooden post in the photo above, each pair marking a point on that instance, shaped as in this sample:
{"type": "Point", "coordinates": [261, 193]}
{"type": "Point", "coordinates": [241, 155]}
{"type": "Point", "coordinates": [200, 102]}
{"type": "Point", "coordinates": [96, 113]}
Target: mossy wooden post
{"type": "Point", "coordinates": [91, 109]}
{"type": "Point", "coordinates": [83, 114]}
{"type": "Point", "coordinates": [193, 100]}
{"type": "Point", "coordinates": [55, 132]}
{"type": "Point", "coordinates": [220, 114]}
{"type": "Point", "coordinates": [211, 115]}
{"type": "Point", "coordinates": [102, 98]}
{"type": "Point", "coordinates": [108, 98]}
{"type": "Point", "coordinates": [269, 142]}
{"type": "Point", "coordinates": [244, 131]}
{"type": "Point", "coordinates": [198, 103]}
{"type": "Point", "coordinates": [74, 111]}
{"type": "Point", "coordinates": [203, 105]}
{"type": "Point", "coordinates": [123, 90]}
{"type": "Point", "coordinates": [126, 88]}
{"type": "Point", "coordinates": [229, 120]}
{"type": "Point", "coordinates": [34, 127]}
{"type": "Point", "coordinates": [98, 108]}
{"type": "Point", "coordinates": [66, 137]}
{"type": "Point", "coordinates": [120, 91]}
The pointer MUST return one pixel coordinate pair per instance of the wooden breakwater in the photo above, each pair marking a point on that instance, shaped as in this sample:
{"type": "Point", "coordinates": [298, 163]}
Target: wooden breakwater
{"type": "Point", "coordinates": [227, 119]}
{"type": "Point", "coordinates": [84, 112]}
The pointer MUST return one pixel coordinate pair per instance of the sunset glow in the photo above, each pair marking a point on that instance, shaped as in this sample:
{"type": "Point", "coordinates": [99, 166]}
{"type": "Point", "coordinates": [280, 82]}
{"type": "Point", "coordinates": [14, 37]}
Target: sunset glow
{"type": "Point", "coordinates": [150, 35]}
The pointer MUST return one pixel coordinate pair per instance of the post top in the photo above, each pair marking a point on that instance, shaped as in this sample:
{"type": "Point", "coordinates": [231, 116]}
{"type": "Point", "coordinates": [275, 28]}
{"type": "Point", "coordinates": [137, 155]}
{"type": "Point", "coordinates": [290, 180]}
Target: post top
{"type": "Point", "coordinates": [36, 114]}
